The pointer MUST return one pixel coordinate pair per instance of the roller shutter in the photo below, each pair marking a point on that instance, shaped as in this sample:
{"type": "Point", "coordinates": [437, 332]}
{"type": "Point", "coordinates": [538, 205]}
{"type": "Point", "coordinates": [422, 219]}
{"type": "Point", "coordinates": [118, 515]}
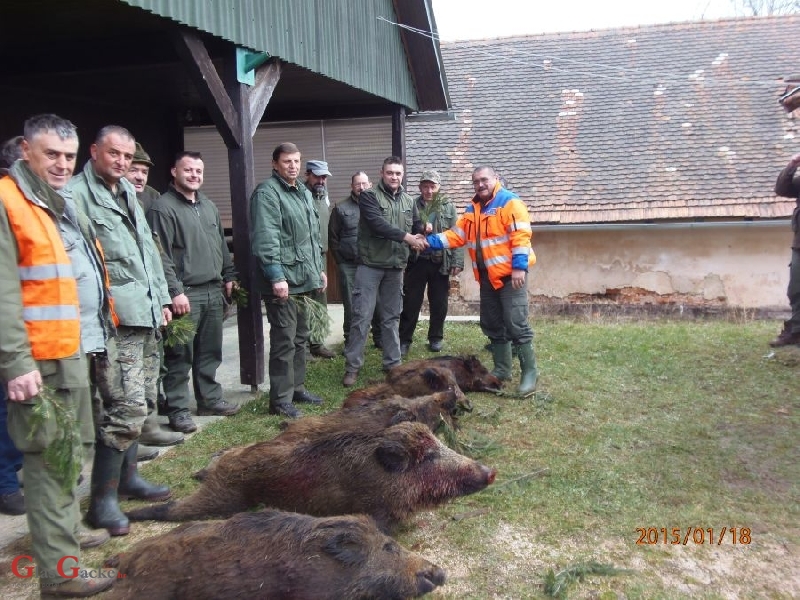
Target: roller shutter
{"type": "Point", "coordinates": [348, 145]}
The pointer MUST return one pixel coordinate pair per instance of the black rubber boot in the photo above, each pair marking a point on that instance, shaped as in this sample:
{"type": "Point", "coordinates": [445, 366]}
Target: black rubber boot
{"type": "Point", "coordinates": [104, 511]}
{"type": "Point", "coordinates": [132, 485]}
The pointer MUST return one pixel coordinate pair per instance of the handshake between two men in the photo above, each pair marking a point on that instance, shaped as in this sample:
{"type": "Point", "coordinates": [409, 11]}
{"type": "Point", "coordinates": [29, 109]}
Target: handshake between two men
{"type": "Point", "coordinates": [416, 242]}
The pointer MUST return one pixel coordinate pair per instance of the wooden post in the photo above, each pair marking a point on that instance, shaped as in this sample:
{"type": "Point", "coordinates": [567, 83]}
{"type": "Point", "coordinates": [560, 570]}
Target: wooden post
{"type": "Point", "coordinates": [242, 182]}
{"type": "Point", "coordinates": [236, 110]}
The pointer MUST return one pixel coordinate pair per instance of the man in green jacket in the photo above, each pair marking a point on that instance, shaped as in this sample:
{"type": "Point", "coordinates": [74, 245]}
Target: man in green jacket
{"type": "Point", "coordinates": [386, 221]}
{"type": "Point", "coordinates": [285, 239]}
{"type": "Point", "coordinates": [138, 174]}
{"type": "Point", "coordinates": [31, 361]}
{"type": "Point", "coordinates": [188, 226]}
{"type": "Point", "coordinates": [317, 174]}
{"type": "Point", "coordinates": [430, 269]}
{"type": "Point", "coordinates": [142, 303]}
{"type": "Point", "coordinates": [152, 433]}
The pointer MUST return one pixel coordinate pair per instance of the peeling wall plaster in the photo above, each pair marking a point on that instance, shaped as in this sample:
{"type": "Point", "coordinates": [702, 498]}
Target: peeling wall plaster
{"type": "Point", "coordinates": [733, 266]}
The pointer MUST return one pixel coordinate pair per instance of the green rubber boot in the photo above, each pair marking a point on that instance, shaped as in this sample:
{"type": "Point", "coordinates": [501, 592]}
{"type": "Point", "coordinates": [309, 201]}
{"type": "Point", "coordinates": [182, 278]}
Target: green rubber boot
{"type": "Point", "coordinates": [501, 352]}
{"type": "Point", "coordinates": [527, 362]}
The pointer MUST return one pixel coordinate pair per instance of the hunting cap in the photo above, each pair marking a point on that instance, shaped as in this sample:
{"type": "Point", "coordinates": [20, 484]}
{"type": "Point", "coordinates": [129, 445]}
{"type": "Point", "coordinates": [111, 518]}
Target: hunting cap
{"type": "Point", "coordinates": [317, 167]}
{"type": "Point", "coordinates": [431, 175]}
{"type": "Point", "coordinates": [140, 156]}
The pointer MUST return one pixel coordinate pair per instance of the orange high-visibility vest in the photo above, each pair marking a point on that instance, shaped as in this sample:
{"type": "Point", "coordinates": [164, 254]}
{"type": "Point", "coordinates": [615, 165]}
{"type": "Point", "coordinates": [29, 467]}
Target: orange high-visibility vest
{"type": "Point", "coordinates": [107, 283]}
{"type": "Point", "coordinates": [50, 307]}
{"type": "Point", "coordinates": [502, 229]}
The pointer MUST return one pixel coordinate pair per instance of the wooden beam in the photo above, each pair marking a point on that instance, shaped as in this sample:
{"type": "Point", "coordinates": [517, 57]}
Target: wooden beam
{"type": "Point", "coordinates": [204, 75]}
{"type": "Point", "coordinates": [241, 171]}
{"type": "Point", "coordinates": [399, 132]}
{"type": "Point", "coordinates": [267, 77]}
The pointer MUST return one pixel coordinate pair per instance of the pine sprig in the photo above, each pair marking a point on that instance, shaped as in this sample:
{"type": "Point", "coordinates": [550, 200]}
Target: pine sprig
{"type": "Point", "coordinates": [555, 584]}
{"type": "Point", "coordinates": [64, 454]}
{"type": "Point", "coordinates": [239, 296]}
{"type": "Point", "coordinates": [432, 208]}
{"type": "Point", "coordinates": [317, 318]}
{"type": "Point", "coordinates": [179, 332]}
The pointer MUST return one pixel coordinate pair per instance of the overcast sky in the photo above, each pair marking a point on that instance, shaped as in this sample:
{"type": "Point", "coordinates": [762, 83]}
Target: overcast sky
{"type": "Point", "coordinates": [476, 19]}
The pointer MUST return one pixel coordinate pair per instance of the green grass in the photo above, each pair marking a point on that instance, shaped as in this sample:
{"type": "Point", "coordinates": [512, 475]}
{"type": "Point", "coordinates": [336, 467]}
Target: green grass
{"type": "Point", "coordinates": [634, 425]}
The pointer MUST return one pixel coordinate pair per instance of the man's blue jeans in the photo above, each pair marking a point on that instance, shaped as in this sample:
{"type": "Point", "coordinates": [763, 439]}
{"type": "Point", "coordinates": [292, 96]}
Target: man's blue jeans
{"type": "Point", "coordinates": [10, 457]}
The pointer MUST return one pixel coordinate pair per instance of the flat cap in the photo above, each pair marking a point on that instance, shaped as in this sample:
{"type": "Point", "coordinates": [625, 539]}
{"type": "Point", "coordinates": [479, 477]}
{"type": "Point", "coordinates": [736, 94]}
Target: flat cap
{"type": "Point", "coordinates": [140, 156]}
{"type": "Point", "coordinates": [317, 167]}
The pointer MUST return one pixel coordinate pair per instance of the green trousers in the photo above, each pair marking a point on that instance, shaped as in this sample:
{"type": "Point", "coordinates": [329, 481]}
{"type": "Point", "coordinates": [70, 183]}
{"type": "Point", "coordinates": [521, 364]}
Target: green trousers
{"type": "Point", "coordinates": [52, 513]}
{"type": "Point", "coordinates": [288, 335]}
{"type": "Point", "coordinates": [203, 355]}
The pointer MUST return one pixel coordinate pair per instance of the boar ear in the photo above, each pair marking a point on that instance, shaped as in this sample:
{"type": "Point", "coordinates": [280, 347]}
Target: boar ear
{"type": "Point", "coordinates": [434, 380]}
{"type": "Point", "coordinates": [402, 416]}
{"type": "Point", "coordinates": [393, 456]}
{"type": "Point", "coordinates": [449, 403]}
{"type": "Point", "coordinates": [346, 548]}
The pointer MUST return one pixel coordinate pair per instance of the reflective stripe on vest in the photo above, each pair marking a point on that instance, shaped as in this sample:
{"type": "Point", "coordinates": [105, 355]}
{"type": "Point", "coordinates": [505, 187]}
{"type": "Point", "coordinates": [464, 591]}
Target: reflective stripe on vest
{"type": "Point", "coordinates": [497, 242]}
{"type": "Point", "coordinates": [49, 292]}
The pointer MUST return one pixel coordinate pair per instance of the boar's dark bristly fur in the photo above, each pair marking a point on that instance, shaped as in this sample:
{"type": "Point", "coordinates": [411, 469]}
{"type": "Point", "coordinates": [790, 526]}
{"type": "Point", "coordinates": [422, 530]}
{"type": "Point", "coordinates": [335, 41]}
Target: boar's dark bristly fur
{"type": "Point", "coordinates": [469, 372]}
{"type": "Point", "coordinates": [417, 382]}
{"type": "Point", "coordinates": [431, 410]}
{"type": "Point", "coordinates": [333, 468]}
{"type": "Point", "coordinates": [272, 554]}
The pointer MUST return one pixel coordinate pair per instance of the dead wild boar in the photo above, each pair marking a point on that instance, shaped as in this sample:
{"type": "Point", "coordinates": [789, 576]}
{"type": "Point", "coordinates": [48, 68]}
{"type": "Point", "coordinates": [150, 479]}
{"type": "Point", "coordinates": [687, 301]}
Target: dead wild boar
{"type": "Point", "coordinates": [431, 410]}
{"type": "Point", "coordinates": [387, 473]}
{"type": "Point", "coordinates": [418, 382]}
{"type": "Point", "coordinates": [273, 554]}
{"type": "Point", "coordinates": [468, 371]}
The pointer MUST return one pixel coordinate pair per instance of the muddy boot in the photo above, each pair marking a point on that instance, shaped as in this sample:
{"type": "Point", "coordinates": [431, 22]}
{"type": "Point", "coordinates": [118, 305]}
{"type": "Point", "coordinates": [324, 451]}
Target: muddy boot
{"type": "Point", "coordinates": [132, 485]}
{"type": "Point", "coordinates": [104, 511]}
{"type": "Point", "coordinates": [80, 587]}
{"type": "Point", "coordinates": [143, 454]}
{"type": "Point", "coordinates": [92, 539]}
{"type": "Point", "coordinates": [501, 352]}
{"type": "Point", "coordinates": [153, 435]}
{"type": "Point", "coordinates": [527, 362]}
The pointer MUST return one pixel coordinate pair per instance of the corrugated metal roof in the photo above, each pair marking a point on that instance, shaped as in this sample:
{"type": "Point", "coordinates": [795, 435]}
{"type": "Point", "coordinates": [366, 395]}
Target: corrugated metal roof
{"type": "Point", "coordinates": [342, 39]}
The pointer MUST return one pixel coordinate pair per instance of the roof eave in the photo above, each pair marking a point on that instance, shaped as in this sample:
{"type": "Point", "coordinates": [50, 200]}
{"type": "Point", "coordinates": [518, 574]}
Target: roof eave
{"type": "Point", "coordinates": [423, 53]}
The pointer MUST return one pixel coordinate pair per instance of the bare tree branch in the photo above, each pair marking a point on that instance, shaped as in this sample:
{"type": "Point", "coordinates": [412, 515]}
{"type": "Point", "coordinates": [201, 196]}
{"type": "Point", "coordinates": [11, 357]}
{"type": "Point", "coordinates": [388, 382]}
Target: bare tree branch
{"type": "Point", "coordinates": [754, 8]}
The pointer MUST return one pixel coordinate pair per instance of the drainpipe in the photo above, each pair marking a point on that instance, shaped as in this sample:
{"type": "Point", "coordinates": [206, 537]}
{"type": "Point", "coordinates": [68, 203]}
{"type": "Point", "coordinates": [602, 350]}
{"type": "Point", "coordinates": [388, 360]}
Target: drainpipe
{"type": "Point", "coordinates": [783, 223]}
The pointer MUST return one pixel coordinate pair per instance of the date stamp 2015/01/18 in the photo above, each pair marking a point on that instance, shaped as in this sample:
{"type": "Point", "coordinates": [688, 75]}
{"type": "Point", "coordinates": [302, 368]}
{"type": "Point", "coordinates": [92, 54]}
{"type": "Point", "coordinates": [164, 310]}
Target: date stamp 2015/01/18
{"type": "Point", "coordinates": [649, 536]}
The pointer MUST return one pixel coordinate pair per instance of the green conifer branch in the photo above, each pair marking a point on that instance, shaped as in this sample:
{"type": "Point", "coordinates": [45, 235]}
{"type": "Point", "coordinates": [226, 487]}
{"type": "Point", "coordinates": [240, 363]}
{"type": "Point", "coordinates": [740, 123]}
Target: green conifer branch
{"type": "Point", "coordinates": [179, 332]}
{"type": "Point", "coordinates": [64, 454]}
{"type": "Point", "coordinates": [239, 296]}
{"type": "Point", "coordinates": [433, 207]}
{"type": "Point", "coordinates": [317, 318]}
